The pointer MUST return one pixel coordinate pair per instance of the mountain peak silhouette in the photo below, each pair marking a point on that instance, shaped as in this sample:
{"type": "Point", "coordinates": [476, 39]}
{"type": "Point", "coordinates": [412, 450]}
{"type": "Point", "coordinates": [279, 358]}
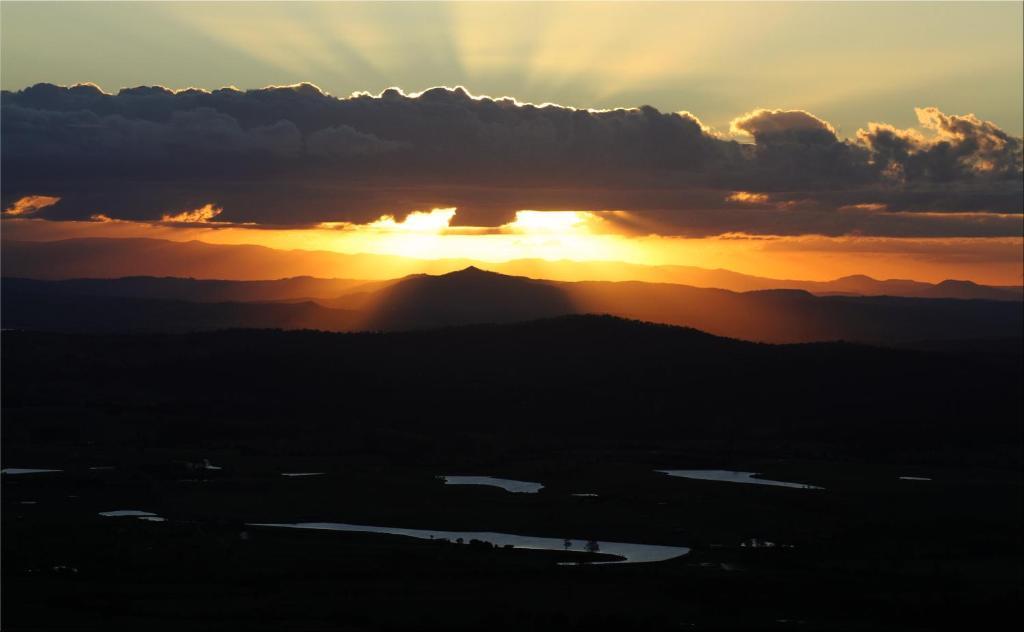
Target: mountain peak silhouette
{"type": "Point", "coordinates": [469, 271]}
{"type": "Point", "coordinates": [466, 296]}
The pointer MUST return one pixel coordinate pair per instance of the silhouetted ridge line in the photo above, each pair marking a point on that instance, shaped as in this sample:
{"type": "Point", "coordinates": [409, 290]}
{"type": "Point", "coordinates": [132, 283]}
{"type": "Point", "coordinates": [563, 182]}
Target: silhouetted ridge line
{"type": "Point", "coordinates": [472, 295]}
{"type": "Point", "coordinates": [112, 258]}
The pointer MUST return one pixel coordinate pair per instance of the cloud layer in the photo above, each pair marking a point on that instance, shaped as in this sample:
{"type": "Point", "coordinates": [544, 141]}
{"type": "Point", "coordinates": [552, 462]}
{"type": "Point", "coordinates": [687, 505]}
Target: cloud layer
{"type": "Point", "coordinates": [294, 156]}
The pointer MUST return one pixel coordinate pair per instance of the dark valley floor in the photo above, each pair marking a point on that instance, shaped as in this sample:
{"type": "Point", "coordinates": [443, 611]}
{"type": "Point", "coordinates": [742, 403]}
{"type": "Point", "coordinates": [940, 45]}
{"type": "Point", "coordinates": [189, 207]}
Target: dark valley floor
{"type": "Point", "coordinates": [199, 430]}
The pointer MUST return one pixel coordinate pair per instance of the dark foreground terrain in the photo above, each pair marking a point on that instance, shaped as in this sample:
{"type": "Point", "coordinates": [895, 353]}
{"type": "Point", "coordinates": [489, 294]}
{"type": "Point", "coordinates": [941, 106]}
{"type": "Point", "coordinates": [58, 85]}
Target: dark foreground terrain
{"type": "Point", "coordinates": [581, 404]}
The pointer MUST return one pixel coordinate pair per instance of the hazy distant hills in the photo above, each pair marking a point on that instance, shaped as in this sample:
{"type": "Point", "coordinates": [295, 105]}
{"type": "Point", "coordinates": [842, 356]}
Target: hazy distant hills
{"type": "Point", "coordinates": [475, 296]}
{"type": "Point", "coordinates": [866, 286]}
{"type": "Point", "coordinates": [113, 258]}
{"type": "Point", "coordinates": [116, 314]}
{"type": "Point", "coordinates": [799, 316]}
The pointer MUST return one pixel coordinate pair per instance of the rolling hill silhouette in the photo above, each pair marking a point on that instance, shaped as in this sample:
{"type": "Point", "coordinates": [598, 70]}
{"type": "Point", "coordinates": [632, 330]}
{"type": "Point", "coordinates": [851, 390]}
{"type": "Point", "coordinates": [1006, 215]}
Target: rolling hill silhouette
{"type": "Point", "coordinates": [198, 290]}
{"type": "Point", "coordinates": [117, 314]}
{"type": "Point", "coordinates": [586, 379]}
{"type": "Point", "coordinates": [781, 316]}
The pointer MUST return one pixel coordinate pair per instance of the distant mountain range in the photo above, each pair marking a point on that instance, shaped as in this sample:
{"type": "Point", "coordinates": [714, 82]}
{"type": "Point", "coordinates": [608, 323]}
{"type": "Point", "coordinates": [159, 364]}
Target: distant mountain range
{"type": "Point", "coordinates": [477, 296]}
{"type": "Point", "coordinates": [114, 258]}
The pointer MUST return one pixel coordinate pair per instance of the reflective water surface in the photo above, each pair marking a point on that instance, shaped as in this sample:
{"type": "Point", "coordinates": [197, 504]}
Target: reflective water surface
{"type": "Point", "coordinates": [631, 552]}
{"type": "Point", "coordinates": [509, 485]}
{"type": "Point", "coordinates": [732, 476]}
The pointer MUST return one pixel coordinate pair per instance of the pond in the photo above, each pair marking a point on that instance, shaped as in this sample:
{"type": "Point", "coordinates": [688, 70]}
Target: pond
{"type": "Point", "coordinates": [630, 552]}
{"type": "Point", "coordinates": [509, 485]}
{"type": "Point", "coordinates": [732, 476]}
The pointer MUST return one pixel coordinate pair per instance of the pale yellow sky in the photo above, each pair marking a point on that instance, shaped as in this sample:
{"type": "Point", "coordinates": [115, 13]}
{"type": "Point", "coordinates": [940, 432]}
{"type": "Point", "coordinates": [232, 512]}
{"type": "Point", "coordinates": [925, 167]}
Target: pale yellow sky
{"type": "Point", "coordinates": [847, 62]}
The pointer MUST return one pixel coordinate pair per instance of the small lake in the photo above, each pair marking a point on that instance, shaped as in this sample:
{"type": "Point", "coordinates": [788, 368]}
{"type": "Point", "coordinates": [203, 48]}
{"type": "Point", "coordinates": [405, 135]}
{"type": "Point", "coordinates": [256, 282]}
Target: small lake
{"type": "Point", "coordinates": [509, 485]}
{"type": "Point", "coordinates": [133, 513]}
{"type": "Point", "coordinates": [26, 470]}
{"type": "Point", "coordinates": [632, 553]}
{"type": "Point", "coordinates": [732, 476]}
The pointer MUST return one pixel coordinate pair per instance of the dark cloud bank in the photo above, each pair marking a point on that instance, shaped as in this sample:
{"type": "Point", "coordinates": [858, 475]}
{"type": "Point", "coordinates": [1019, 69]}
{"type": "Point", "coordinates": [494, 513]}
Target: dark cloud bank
{"type": "Point", "coordinates": [294, 156]}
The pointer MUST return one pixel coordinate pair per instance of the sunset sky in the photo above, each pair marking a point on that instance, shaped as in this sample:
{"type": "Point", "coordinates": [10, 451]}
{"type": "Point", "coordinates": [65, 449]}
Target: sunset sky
{"type": "Point", "coordinates": [803, 140]}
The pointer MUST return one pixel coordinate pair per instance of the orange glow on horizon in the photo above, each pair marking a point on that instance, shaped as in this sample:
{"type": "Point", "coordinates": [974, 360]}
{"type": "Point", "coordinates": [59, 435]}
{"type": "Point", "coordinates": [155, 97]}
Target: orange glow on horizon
{"type": "Point", "coordinates": [579, 236]}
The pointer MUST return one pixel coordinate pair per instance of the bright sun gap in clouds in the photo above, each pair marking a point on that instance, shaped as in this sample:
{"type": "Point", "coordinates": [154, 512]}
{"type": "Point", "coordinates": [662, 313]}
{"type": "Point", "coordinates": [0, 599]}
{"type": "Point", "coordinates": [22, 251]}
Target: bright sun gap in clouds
{"type": "Point", "coordinates": [551, 235]}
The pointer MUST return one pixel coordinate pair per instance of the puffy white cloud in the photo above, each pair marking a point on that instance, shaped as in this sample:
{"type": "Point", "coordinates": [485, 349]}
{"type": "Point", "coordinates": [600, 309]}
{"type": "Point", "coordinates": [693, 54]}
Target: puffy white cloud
{"type": "Point", "coordinates": [960, 149]}
{"type": "Point", "coordinates": [767, 126]}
